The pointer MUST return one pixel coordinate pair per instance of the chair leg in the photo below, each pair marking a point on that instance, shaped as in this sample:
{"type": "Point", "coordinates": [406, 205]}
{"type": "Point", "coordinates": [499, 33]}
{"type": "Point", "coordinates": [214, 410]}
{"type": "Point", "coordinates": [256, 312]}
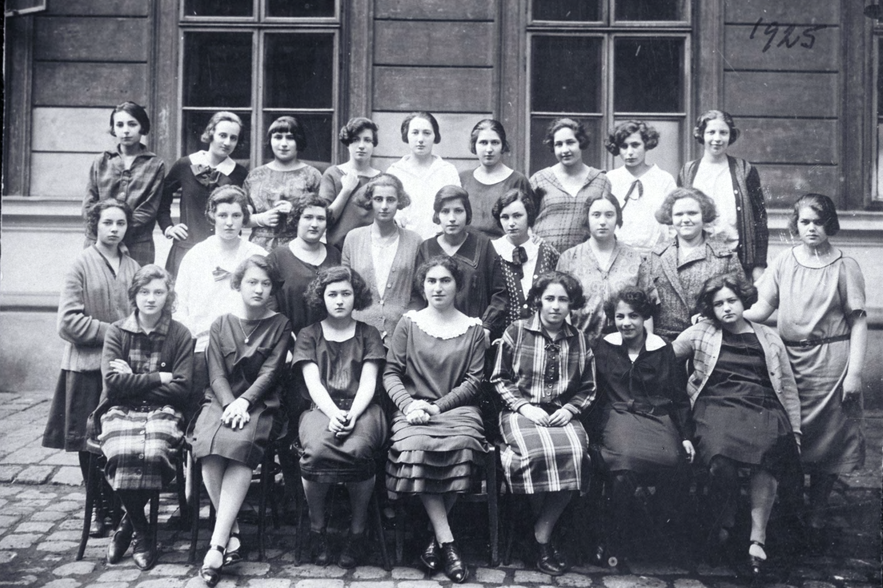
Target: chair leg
{"type": "Point", "coordinates": [378, 527]}
{"type": "Point", "coordinates": [400, 529]}
{"type": "Point", "coordinates": [92, 481]}
{"type": "Point", "coordinates": [492, 506]}
{"type": "Point", "coordinates": [266, 479]}
{"type": "Point", "coordinates": [301, 528]}
{"type": "Point", "coordinates": [510, 528]}
{"type": "Point", "coordinates": [196, 485]}
{"type": "Point", "coordinates": [182, 494]}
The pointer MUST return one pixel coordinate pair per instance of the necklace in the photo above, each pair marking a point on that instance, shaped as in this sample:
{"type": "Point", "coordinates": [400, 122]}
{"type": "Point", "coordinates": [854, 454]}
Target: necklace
{"type": "Point", "coordinates": [384, 242]}
{"type": "Point", "coordinates": [241, 328]}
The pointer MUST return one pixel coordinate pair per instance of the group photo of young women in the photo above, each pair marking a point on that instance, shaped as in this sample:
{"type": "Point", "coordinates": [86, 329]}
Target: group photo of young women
{"type": "Point", "coordinates": [360, 322]}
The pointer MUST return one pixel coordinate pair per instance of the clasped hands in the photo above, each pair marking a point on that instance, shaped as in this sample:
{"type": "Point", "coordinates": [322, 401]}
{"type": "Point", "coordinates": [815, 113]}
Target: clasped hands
{"type": "Point", "coordinates": [341, 424]}
{"type": "Point", "coordinates": [236, 414]}
{"type": "Point", "coordinates": [420, 411]}
{"type": "Point", "coordinates": [538, 416]}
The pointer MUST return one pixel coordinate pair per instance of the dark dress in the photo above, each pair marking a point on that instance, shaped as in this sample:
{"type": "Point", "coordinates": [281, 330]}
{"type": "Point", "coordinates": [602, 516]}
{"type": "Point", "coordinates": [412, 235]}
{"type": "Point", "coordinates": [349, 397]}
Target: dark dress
{"type": "Point", "coordinates": [239, 369]}
{"type": "Point", "coordinates": [296, 276]}
{"type": "Point", "coordinates": [325, 458]}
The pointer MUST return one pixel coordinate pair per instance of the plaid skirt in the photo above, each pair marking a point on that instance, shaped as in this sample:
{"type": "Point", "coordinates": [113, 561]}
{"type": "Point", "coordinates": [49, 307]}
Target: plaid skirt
{"type": "Point", "coordinates": [542, 459]}
{"type": "Point", "coordinates": [140, 446]}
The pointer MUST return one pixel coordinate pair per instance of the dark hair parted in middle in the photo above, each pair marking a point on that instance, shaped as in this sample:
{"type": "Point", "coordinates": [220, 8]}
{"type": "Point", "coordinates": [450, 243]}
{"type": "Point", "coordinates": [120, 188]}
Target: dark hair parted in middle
{"type": "Point", "coordinates": [354, 127]}
{"type": "Point", "coordinates": [134, 110]}
{"type": "Point", "coordinates": [437, 261]}
{"type": "Point", "coordinates": [451, 192]}
{"type": "Point", "coordinates": [742, 288]}
{"type": "Point", "coordinates": [591, 200]}
{"type": "Point", "coordinates": [228, 194]}
{"type": "Point", "coordinates": [147, 274]}
{"type": "Point", "coordinates": [390, 181]}
{"type": "Point", "coordinates": [289, 124]}
{"type": "Point", "coordinates": [822, 206]}
{"type": "Point", "coordinates": [710, 115]}
{"type": "Point", "coordinates": [513, 195]}
{"type": "Point", "coordinates": [310, 199]}
{"type": "Point", "coordinates": [634, 297]}
{"type": "Point", "coordinates": [623, 131]}
{"type": "Point", "coordinates": [570, 284]}
{"type": "Point", "coordinates": [488, 124]}
{"type": "Point", "coordinates": [260, 262]}
{"type": "Point", "coordinates": [706, 205]}
{"type": "Point", "coordinates": [406, 125]}
{"type": "Point", "coordinates": [315, 294]}
{"type": "Point", "coordinates": [93, 214]}
{"type": "Point", "coordinates": [579, 131]}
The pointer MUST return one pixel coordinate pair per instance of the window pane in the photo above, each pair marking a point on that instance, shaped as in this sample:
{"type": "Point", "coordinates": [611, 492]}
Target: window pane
{"type": "Point", "coordinates": [566, 74]}
{"type": "Point", "coordinates": [194, 124]}
{"type": "Point", "coordinates": [299, 71]}
{"type": "Point", "coordinates": [567, 10]}
{"type": "Point", "coordinates": [541, 156]}
{"type": "Point", "coordinates": [218, 7]}
{"type": "Point", "coordinates": [648, 75]}
{"type": "Point", "coordinates": [318, 129]}
{"type": "Point", "coordinates": [649, 10]}
{"type": "Point", "coordinates": [217, 69]}
{"type": "Point", "coordinates": [310, 8]}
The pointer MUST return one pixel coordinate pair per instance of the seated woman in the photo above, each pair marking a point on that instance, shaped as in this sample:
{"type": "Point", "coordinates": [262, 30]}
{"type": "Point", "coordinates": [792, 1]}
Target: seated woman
{"type": "Point", "coordinates": [643, 422]}
{"type": "Point", "coordinates": [147, 364]}
{"type": "Point", "coordinates": [241, 411]}
{"type": "Point", "coordinates": [745, 406]}
{"type": "Point", "coordinates": [434, 370]}
{"type": "Point", "coordinates": [545, 375]}
{"type": "Point", "coordinates": [343, 431]}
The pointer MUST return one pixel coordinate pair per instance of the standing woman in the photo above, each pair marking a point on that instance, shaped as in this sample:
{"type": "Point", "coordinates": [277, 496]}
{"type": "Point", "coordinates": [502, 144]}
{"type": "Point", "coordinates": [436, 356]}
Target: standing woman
{"type": "Point", "coordinates": [95, 295]}
{"type": "Point", "coordinates": [132, 174]}
{"type": "Point", "coordinates": [344, 185]}
{"type": "Point", "coordinates": [273, 188]}
{"type": "Point", "coordinates": [734, 186]}
{"type": "Point", "coordinates": [147, 366]}
{"type": "Point", "coordinates": [241, 411]}
{"type": "Point", "coordinates": [545, 374]}
{"type": "Point", "coordinates": [820, 295]}
{"type": "Point", "coordinates": [492, 178]}
{"type": "Point", "coordinates": [639, 187]}
{"type": "Point", "coordinates": [384, 254]}
{"type": "Point", "coordinates": [472, 251]}
{"type": "Point", "coordinates": [433, 374]}
{"type": "Point", "coordinates": [196, 176]}
{"type": "Point", "coordinates": [603, 265]}
{"type": "Point", "coordinates": [680, 267]}
{"type": "Point", "coordinates": [563, 190]}
{"type": "Point", "coordinates": [422, 173]}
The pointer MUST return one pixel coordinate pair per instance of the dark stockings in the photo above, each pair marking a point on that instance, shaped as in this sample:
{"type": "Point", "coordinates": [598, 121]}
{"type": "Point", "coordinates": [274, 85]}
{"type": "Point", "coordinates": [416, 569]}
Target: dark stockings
{"type": "Point", "coordinates": [134, 502]}
{"type": "Point", "coordinates": [724, 492]}
{"type": "Point", "coordinates": [820, 487]}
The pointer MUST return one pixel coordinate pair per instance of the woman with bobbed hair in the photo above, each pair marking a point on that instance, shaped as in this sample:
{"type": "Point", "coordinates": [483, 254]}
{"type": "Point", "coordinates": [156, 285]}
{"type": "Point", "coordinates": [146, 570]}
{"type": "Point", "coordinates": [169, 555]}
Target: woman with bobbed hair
{"type": "Point", "coordinates": [746, 410]}
{"type": "Point", "coordinates": [422, 173]}
{"type": "Point", "coordinates": [492, 178]}
{"type": "Point", "coordinates": [680, 266]}
{"type": "Point", "coordinates": [734, 186]}
{"type": "Point", "coordinates": [563, 190]}
{"type": "Point", "coordinates": [384, 254]}
{"type": "Point", "coordinates": [273, 188]}
{"type": "Point", "coordinates": [196, 176]}
{"type": "Point", "coordinates": [147, 365]}
{"type": "Point", "coordinates": [545, 374]}
{"type": "Point", "coordinates": [820, 295]}
{"type": "Point", "coordinates": [639, 187]}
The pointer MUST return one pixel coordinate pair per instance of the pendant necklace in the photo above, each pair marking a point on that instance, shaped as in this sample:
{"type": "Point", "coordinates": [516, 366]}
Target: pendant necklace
{"type": "Point", "coordinates": [248, 335]}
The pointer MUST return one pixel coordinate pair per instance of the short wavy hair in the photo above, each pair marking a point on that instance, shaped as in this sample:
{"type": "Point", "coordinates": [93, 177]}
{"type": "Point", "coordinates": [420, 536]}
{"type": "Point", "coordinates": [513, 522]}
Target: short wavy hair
{"type": "Point", "coordinates": [451, 192]}
{"type": "Point", "coordinates": [406, 125]}
{"type": "Point", "coordinates": [228, 194]}
{"type": "Point", "coordinates": [634, 297]}
{"type": "Point", "coordinates": [706, 205]}
{"type": "Point", "coordinates": [623, 131]}
{"type": "Point", "coordinates": [315, 294]}
{"type": "Point", "coordinates": [444, 261]}
{"type": "Point", "coordinates": [305, 202]}
{"type": "Point", "coordinates": [134, 110]}
{"type": "Point", "coordinates": [93, 214]}
{"type": "Point", "coordinates": [289, 124]}
{"type": "Point", "coordinates": [513, 195]}
{"type": "Point", "coordinates": [570, 284]}
{"type": "Point", "coordinates": [217, 118]}
{"type": "Point", "coordinates": [354, 127]}
{"type": "Point", "coordinates": [591, 200]}
{"type": "Point", "coordinates": [384, 180]}
{"type": "Point", "coordinates": [710, 115]}
{"type": "Point", "coordinates": [822, 206]}
{"type": "Point", "coordinates": [488, 124]}
{"type": "Point", "coordinates": [261, 262]}
{"type": "Point", "coordinates": [578, 128]}
{"type": "Point", "coordinates": [742, 288]}
{"type": "Point", "coordinates": [147, 274]}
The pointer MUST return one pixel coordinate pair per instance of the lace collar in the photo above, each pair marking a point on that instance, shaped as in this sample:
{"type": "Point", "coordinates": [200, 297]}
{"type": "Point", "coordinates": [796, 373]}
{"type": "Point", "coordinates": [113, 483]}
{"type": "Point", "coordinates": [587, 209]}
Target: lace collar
{"type": "Point", "coordinates": [442, 330]}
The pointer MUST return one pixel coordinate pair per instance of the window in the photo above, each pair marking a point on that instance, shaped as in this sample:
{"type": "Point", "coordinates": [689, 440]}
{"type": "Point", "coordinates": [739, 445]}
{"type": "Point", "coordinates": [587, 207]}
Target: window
{"type": "Point", "coordinates": [261, 59]}
{"type": "Point", "coordinates": [607, 61]}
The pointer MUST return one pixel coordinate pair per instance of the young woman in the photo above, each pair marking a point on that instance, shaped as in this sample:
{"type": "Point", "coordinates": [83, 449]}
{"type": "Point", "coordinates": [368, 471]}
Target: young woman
{"type": "Point", "coordinates": [344, 185]}
{"type": "Point", "coordinates": [147, 364]}
{"type": "Point", "coordinates": [680, 267]}
{"type": "Point", "coordinates": [820, 295]}
{"type": "Point", "coordinates": [544, 373]}
{"type": "Point", "coordinates": [602, 265]}
{"type": "Point", "coordinates": [132, 174]}
{"type": "Point", "coordinates": [241, 411]}
{"type": "Point", "coordinates": [472, 251]}
{"type": "Point", "coordinates": [639, 187]}
{"type": "Point", "coordinates": [94, 296]}
{"type": "Point", "coordinates": [422, 173]}
{"type": "Point", "coordinates": [643, 426]}
{"type": "Point", "coordinates": [734, 186]}
{"type": "Point", "coordinates": [196, 176]}
{"type": "Point", "coordinates": [564, 190]}
{"type": "Point", "coordinates": [344, 430]}
{"type": "Point", "coordinates": [384, 254]}
{"type": "Point", "coordinates": [433, 373]}
{"type": "Point", "coordinates": [272, 188]}
{"type": "Point", "coordinates": [492, 178]}
{"type": "Point", "coordinates": [745, 407]}
{"type": "Point", "coordinates": [520, 260]}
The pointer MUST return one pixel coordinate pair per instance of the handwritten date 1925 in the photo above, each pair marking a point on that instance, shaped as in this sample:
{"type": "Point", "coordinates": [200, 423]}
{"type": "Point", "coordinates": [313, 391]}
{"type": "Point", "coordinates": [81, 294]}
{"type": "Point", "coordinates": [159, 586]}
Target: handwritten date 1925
{"type": "Point", "coordinates": [790, 36]}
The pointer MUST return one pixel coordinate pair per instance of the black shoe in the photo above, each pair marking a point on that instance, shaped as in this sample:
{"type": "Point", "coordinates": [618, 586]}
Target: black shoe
{"type": "Point", "coordinates": [144, 550]}
{"type": "Point", "coordinates": [431, 556]}
{"type": "Point", "coordinates": [455, 569]}
{"type": "Point", "coordinates": [232, 556]}
{"type": "Point", "coordinates": [98, 527]}
{"type": "Point", "coordinates": [120, 541]}
{"type": "Point", "coordinates": [546, 560]}
{"type": "Point", "coordinates": [353, 551]}
{"type": "Point", "coordinates": [319, 553]}
{"type": "Point", "coordinates": [756, 563]}
{"type": "Point", "coordinates": [211, 576]}
{"type": "Point", "coordinates": [558, 556]}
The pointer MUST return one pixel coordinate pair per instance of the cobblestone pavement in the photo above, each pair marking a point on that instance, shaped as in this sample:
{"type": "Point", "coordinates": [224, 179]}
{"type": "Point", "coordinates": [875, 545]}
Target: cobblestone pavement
{"type": "Point", "coordinates": [41, 502]}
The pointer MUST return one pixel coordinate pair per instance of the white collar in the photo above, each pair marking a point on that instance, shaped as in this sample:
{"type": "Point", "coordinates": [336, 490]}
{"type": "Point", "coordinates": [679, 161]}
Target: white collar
{"type": "Point", "coordinates": [226, 167]}
{"type": "Point", "coordinates": [505, 248]}
{"type": "Point", "coordinates": [652, 343]}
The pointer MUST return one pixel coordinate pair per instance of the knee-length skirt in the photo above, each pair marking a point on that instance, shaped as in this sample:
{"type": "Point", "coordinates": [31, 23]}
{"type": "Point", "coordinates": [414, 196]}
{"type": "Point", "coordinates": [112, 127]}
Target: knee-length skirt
{"type": "Point", "coordinates": [209, 436]}
{"type": "Point", "coordinates": [76, 396]}
{"type": "Point", "coordinates": [640, 443]}
{"type": "Point", "coordinates": [327, 459]}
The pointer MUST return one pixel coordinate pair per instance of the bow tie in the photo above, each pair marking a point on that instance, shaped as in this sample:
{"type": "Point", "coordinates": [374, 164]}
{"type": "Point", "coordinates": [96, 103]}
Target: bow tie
{"type": "Point", "coordinates": [207, 176]}
{"type": "Point", "coordinates": [220, 273]}
{"type": "Point", "coordinates": [636, 184]}
{"type": "Point", "coordinates": [519, 255]}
